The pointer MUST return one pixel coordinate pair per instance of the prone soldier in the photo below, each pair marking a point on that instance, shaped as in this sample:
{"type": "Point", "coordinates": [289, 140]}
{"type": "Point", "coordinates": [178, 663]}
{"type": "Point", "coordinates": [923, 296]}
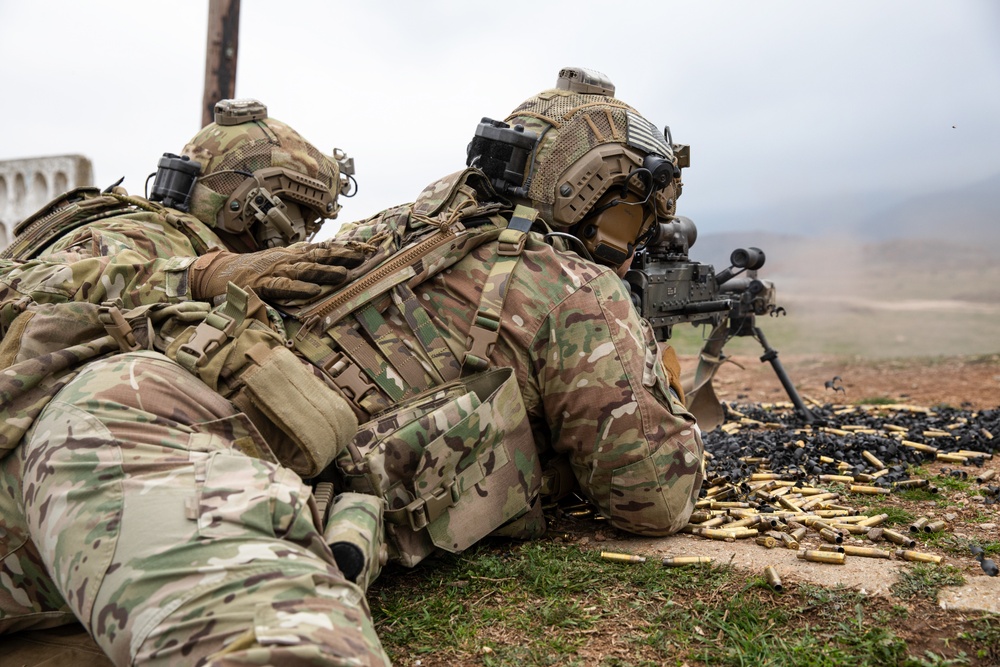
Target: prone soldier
{"type": "Point", "coordinates": [514, 265]}
{"type": "Point", "coordinates": [146, 490]}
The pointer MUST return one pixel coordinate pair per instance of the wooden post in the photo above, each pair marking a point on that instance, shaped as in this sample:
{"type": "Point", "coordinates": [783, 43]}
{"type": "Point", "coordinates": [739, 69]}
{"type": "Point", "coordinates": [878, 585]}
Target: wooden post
{"type": "Point", "coordinates": [220, 55]}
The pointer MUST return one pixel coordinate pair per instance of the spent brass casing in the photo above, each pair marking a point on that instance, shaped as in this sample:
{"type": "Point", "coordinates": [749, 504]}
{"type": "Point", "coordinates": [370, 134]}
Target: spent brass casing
{"type": "Point", "coordinates": [822, 556]}
{"type": "Point", "coordinates": [723, 534]}
{"type": "Point", "coordinates": [788, 541]}
{"type": "Point", "coordinates": [845, 479]}
{"type": "Point", "coordinates": [919, 524]}
{"type": "Point", "coordinates": [699, 515]}
{"type": "Point", "coordinates": [772, 578]}
{"type": "Point", "coordinates": [766, 541]}
{"type": "Point", "coordinates": [867, 552]}
{"type": "Point", "coordinates": [831, 536]}
{"type": "Point", "coordinates": [713, 522]}
{"type": "Point", "coordinates": [798, 533]}
{"type": "Point", "coordinates": [876, 520]}
{"type": "Point", "coordinates": [911, 483]}
{"type": "Point", "coordinates": [622, 558]}
{"type": "Point", "coordinates": [836, 548]}
{"type": "Point", "coordinates": [852, 528]}
{"type": "Point", "coordinates": [678, 561]}
{"type": "Point", "coordinates": [874, 460]}
{"type": "Point", "coordinates": [745, 522]}
{"type": "Point", "coordinates": [918, 556]}
{"type": "Point", "coordinates": [972, 455]}
{"type": "Point", "coordinates": [898, 538]}
{"type": "Point", "coordinates": [935, 526]}
{"type": "Point", "coordinates": [868, 490]}
{"type": "Point", "coordinates": [919, 446]}
{"type": "Point", "coordinates": [986, 476]}
{"type": "Point", "coordinates": [951, 458]}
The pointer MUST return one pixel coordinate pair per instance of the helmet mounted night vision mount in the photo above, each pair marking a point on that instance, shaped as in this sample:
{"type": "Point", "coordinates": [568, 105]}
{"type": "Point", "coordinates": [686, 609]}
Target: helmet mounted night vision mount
{"type": "Point", "coordinates": [502, 153]}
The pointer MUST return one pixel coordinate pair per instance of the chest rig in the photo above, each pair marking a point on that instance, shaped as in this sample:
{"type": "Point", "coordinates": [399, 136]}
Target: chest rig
{"type": "Point", "coordinates": [444, 440]}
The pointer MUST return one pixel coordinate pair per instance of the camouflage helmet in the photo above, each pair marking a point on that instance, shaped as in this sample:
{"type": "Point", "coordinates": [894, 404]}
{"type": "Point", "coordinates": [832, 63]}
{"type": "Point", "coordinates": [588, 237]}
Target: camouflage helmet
{"type": "Point", "coordinates": [594, 154]}
{"type": "Point", "coordinates": [260, 175]}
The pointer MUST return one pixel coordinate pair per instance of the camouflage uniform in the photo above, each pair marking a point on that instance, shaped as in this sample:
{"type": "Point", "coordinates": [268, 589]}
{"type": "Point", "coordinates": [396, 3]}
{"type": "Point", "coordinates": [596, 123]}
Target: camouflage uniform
{"type": "Point", "coordinates": [593, 385]}
{"type": "Point", "coordinates": [131, 503]}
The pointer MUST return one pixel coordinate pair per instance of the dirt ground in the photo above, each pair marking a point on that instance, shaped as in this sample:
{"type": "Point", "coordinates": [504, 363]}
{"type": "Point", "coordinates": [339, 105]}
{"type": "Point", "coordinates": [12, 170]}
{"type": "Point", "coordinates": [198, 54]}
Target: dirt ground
{"type": "Point", "coordinates": [972, 382]}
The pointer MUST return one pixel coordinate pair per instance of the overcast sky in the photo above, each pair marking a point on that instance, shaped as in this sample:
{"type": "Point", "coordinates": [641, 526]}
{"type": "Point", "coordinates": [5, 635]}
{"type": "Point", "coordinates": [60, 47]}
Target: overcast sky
{"type": "Point", "coordinates": [779, 100]}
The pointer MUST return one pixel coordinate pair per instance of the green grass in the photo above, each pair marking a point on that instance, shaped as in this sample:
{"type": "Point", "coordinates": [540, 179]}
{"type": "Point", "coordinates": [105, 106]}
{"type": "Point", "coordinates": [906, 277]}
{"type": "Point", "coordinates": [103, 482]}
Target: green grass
{"type": "Point", "coordinates": [877, 400]}
{"type": "Point", "coordinates": [924, 580]}
{"type": "Point", "coordinates": [897, 515]}
{"type": "Point", "coordinates": [545, 603]}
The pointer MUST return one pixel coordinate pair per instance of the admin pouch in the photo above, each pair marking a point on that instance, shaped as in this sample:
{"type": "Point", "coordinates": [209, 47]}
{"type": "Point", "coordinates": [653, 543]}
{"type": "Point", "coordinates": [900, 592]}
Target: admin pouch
{"type": "Point", "coordinates": [445, 440]}
{"type": "Point", "coordinates": [451, 465]}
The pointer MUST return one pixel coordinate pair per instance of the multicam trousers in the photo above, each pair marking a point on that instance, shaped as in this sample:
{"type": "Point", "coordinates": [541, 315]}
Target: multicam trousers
{"type": "Point", "coordinates": [163, 537]}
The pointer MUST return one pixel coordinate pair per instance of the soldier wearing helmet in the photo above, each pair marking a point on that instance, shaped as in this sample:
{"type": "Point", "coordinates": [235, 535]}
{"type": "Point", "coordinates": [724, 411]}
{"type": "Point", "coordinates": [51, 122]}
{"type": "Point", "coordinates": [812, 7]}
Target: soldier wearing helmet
{"type": "Point", "coordinates": [144, 455]}
{"type": "Point", "coordinates": [575, 178]}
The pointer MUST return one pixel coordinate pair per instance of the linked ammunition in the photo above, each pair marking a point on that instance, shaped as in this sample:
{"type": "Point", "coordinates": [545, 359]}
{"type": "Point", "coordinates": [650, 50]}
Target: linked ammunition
{"type": "Point", "coordinates": [919, 524]}
{"type": "Point", "coordinates": [899, 538]}
{"type": "Point", "coordinates": [773, 580]}
{"type": "Point", "coordinates": [678, 561]}
{"type": "Point", "coordinates": [935, 526]}
{"type": "Point", "coordinates": [868, 490]}
{"type": "Point", "coordinates": [822, 556]}
{"type": "Point", "coordinates": [918, 556]}
{"type": "Point", "coordinates": [622, 558]}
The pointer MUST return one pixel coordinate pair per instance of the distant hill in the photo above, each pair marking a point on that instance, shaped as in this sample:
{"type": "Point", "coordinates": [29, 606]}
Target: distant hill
{"type": "Point", "coordinates": [969, 214]}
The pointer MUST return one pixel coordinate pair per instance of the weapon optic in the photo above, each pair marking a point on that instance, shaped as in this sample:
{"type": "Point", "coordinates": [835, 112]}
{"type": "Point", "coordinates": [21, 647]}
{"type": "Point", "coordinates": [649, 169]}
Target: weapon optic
{"type": "Point", "coordinates": [668, 288]}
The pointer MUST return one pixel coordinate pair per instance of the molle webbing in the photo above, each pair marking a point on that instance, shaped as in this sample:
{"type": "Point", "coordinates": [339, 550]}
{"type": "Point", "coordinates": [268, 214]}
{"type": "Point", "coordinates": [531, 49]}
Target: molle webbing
{"type": "Point", "coordinates": [348, 337]}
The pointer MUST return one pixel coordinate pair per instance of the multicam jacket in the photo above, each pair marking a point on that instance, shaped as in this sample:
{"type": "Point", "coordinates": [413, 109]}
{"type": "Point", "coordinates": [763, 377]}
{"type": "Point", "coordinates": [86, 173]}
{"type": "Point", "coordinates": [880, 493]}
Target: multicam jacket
{"type": "Point", "coordinates": [133, 251]}
{"type": "Point", "coordinates": [594, 387]}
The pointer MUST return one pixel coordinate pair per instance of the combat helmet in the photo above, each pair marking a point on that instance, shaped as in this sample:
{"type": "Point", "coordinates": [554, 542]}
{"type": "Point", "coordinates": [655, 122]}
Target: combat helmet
{"type": "Point", "coordinates": [254, 176]}
{"type": "Point", "coordinates": [596, 168]}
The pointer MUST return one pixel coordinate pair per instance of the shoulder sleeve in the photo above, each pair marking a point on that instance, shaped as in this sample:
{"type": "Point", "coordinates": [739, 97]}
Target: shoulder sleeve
{"type": "Point", "coordinates": [138, 259]}
{"type": "Point", "coordinates": [634, 449]}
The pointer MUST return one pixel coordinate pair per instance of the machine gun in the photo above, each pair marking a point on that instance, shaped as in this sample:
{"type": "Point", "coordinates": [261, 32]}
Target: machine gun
{"type": "Point", "coordinates": [668, 288]}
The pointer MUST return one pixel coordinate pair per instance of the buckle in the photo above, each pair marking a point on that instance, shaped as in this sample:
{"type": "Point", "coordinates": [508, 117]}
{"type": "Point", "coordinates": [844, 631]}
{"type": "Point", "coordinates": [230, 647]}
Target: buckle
{"type": "Point", "coordinates": [347, 376]}
{"type": "Point", "coordinates": [426, 509]}
{"type": "Point", "coordinates": [482, 341]}
{"type": "Point", "coordinates": [208, 337]}
{"type": "Point", "coordinates": [115, 324]}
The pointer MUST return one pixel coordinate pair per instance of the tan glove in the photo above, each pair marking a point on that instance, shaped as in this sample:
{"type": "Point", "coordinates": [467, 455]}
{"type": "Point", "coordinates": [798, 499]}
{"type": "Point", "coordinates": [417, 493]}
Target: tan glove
{"type": "Point", "coordinates": [673, 366]}
{"type": "Point", "coordinates": [276, 274]}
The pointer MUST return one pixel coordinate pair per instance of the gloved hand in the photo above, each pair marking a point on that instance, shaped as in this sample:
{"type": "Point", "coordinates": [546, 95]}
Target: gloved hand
{"type": "Point", "coordinates": [275, 274]}
{"type": "Point", "coordinates": [673, 366]}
